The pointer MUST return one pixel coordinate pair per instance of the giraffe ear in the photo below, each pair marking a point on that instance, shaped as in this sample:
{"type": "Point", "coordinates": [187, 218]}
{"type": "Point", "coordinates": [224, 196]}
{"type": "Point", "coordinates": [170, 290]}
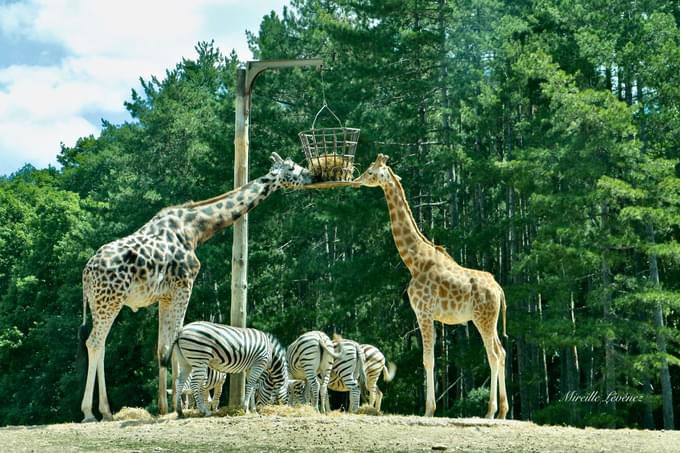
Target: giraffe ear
{"type": "Point", "coordinates": [276, 158]}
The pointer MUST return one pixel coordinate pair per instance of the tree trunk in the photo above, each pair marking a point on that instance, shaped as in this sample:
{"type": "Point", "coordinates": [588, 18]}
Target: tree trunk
{"type": "Point", "coordinates": [609, 367]}
{"type": "Point", "coordinates": [664, 375]}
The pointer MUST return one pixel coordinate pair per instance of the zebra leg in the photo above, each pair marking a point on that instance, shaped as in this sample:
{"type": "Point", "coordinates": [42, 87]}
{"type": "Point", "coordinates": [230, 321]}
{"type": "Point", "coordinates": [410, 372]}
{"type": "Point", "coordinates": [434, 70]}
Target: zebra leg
{"type": "Point", "coordinates": [217, 393]}
{"type": "Point", "coordinates": [323, 391]}
{"type": "Point", "coordinates": [251, 382]}
{"type": "Point", "coordinates": [206, 397]}
{"type": "Point", "coordinates": [354, 395]}
{"type": "Point", "coordinates": [313, 384]}
{"type": "Point", "coordinates": [198, 377]}
{"type": "Point", "coordinates": [180, 383]}
{"type": "Point", "coordinates": [378, 395]}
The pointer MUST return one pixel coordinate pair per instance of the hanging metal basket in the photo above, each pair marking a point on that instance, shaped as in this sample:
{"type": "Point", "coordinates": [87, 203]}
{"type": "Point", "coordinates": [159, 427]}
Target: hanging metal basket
{"type": "Point", "coordinates": [330, 150]}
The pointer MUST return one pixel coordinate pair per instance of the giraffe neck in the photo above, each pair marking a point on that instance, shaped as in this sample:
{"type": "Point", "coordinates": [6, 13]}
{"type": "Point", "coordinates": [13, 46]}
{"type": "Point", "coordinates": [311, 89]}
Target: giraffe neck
{"type": "Point", "coordinates": [197, 222]}
{"type": "Point", "coordinates": [410, 242]}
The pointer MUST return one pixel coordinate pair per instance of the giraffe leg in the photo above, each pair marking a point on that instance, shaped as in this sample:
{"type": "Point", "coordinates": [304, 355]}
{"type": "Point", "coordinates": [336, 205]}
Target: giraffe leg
{"type": "Point", "coordinates": [95, 364]}
{"type": "Point", "coordinates": [427, 332]}
{"type": "Point", "coordinates": [86, 405]}
{"type": "Point", "coordinates": [500, 352]}
{"type": "Point", "coordinates": [104, 408]}
{"type": "Point", "coordinates": [170, 319]}
{"type": "Point", "coordinates": [488, 337]}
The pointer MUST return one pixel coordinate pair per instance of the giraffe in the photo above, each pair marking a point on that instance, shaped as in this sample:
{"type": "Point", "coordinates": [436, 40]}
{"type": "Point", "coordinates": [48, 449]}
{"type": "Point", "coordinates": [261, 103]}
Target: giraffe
{"type": "Point", "coordinates": [157, 263]}
{"type": "Point", "coordinates": [440, 289]}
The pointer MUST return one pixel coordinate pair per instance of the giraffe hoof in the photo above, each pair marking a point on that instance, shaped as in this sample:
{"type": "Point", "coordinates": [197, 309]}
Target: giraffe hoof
{"type": "Point", "coordinates": [89, 419]}
{"type": "Point", "coordinates": [107, 418]}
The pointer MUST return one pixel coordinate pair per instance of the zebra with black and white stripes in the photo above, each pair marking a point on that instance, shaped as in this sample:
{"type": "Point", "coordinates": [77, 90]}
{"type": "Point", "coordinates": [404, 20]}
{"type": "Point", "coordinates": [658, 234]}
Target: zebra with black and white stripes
{"type": "Point", "coordinates": [227, 349]}
{"type": "Point", "coordinates": [310, 358]}
{"type": "Point", "coordinates": [214, 381]}
{"type": "Point", "coordinates": [273, 386]}
{"type": "Point", "coordinates": [348, 373]}
{"type": "Point", "coordinates": [375, 365]}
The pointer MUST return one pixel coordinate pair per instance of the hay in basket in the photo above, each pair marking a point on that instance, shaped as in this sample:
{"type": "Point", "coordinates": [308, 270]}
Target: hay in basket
{"type": "Point", "coordinates": [330, 150]}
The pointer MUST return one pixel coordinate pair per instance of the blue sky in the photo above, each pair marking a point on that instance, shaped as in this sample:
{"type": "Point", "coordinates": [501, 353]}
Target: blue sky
{"type": "Point", "coordinates": [66, 64]}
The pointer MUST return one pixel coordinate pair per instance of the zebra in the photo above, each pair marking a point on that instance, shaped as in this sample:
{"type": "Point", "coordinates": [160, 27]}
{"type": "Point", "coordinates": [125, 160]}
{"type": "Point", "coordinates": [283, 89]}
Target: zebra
{"type": "Point", "coordinates": [296, 391]}
{"type": "Point", "coordinates": [214, 381]}
{"type": "Point", "coordinates": [311, 355]}
{"type": "Point", "coordinates": [348, 373]}
{"type": "Point", "coordinates": [273, 386]}
{"type": "Point", "coordinates": [227, 349]}
{"type": "Point", "coordinates": [374, 365]}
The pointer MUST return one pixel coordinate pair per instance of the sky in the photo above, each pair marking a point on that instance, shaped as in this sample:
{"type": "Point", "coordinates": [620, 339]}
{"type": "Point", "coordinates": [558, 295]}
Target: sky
{"type": "Point", "coordinates": [67, 64]}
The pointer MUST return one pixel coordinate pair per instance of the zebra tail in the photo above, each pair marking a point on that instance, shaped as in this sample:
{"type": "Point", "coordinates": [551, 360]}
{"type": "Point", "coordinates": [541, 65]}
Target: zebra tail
{"type": "Point", "coordinates": [330, 350]}
{"type": "Point", "coordinates": [363, 381]}
{"type": "Point", "coordinates": [166, 360]}
{"type": "Point", "coordinates": [389, 371]}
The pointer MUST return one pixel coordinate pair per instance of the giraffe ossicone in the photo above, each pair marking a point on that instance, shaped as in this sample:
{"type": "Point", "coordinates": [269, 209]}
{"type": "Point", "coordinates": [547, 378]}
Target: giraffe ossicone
{"type": "Point", "coordinates": [157, 263]}
{"type": "Point", "coordinates": [440, 289]}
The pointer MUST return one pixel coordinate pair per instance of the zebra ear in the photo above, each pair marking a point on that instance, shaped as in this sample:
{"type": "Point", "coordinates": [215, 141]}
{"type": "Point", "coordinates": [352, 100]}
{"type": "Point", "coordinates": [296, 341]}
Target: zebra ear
{"type": "Point", "coordinates": [276, 158]}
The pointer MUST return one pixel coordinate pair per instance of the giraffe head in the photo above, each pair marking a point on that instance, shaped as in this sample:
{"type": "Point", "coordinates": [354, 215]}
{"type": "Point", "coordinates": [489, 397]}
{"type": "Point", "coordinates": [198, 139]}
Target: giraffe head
{"type": "Point", "coordinates": [288, 174]}
{"type": "Point", "coordinates": [378, 174]}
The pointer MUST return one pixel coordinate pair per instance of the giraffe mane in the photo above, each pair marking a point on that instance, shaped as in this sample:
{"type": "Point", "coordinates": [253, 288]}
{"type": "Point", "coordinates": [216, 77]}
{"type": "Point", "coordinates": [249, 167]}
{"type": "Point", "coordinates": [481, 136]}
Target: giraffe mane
{"type": "Point", "coordinates": [200, 203]}
{"type": "Point", "coordinates": [397, 182]}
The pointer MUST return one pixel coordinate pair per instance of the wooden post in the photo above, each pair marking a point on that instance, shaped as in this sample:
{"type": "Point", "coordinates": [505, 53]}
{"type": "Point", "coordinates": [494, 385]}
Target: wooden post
{"type": "Point", "coordinates": [239, 257]}
{"type": "Point", "coordinates": [245, 79]}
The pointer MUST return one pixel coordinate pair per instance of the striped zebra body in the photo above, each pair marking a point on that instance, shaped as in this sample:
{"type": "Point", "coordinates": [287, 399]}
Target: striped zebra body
{"type": "Point", "coordinates": [310, 358]}
{"type": "Point", "coordinates": [203, 345]}
{"type": "Point", "coordinates": [375, 365]}
{"type": "Point", "coordinates": [214, 381]}
{"type": "Point", "coordinates": [348, 373]}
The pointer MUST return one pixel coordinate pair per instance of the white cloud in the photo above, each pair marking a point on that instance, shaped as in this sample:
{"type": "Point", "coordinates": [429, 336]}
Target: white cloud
{"type": "Point", "coordinates": [108, 46]}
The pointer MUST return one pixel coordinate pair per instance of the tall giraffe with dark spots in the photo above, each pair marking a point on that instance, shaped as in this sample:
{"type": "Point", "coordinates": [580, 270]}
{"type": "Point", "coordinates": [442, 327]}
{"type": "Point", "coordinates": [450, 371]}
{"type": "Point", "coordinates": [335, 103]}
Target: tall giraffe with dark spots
{"type": "Point", "coordinates": [157, 263]}
{"type": "Point", "coordinates": [441, 289]}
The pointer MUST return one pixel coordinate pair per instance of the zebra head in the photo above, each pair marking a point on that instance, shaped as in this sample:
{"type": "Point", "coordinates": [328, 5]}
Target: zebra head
{"type": "Point", "coordinates": [274, 384]}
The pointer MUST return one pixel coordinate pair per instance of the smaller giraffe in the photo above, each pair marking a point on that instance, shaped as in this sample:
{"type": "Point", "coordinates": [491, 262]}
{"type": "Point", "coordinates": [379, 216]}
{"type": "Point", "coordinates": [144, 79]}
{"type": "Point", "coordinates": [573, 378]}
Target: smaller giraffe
{"type": "Point", "coordinates": [441, 289]}
{"type": "Point", "coordinates": [157, 263]}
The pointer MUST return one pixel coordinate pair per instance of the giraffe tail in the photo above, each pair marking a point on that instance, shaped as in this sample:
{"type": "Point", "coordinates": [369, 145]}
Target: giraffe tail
{"type": "Point", "coordinates": [84, 331]}
{"type": "Point", "coordinates": [504, 306]}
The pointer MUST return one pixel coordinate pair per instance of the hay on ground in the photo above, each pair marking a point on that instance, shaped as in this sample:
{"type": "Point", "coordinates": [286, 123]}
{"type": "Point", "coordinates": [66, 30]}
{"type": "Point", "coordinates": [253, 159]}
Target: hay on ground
{"type": "Point", "coordinates": [367, 409]}
{"type": "Point", "coordinates": [230, 411]}
{"type": "Point", "coordinates": [132, 413]}
{"type": "Point", "coordinates": [299, 410]}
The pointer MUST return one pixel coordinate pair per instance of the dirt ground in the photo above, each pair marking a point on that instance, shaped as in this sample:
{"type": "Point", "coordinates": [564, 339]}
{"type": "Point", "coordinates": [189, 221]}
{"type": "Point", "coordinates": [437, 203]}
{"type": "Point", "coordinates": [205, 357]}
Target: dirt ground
{"type": "Point", "coordinates": [337, 433]}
